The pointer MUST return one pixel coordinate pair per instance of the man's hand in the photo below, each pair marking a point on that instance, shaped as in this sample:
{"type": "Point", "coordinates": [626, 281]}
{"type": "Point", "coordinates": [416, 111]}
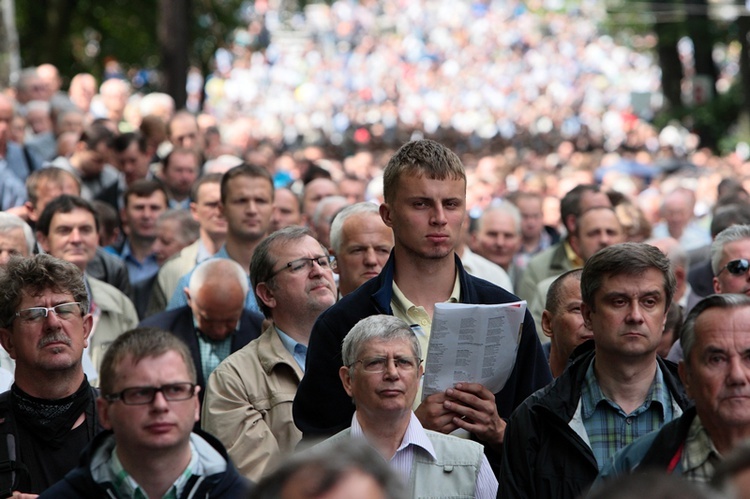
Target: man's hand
{"type": "Point", "coordinates": [434, 416]}
{"type": "Point", "coordinates": [21, 495]}
{"type": "Point", "coordinates": [474, 410]}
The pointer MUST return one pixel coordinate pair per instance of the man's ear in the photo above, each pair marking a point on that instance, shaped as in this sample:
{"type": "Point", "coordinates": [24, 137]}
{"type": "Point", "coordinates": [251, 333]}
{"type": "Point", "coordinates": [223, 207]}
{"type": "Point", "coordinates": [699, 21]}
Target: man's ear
{"type": "Point", "coordinates": [547, 323]}
{"type": "Point", "coordinates": [186, 290]}
{"type": "Point", "coordinates": [197, 404]}
{"type": "Point", "coordinates": [385, 214]}
{"type": "Point", "coordinates": [345, 379]}
{"type": "Point", "coordinates": [717, 286]}
{"type": "Point", "coordinates": [586, 313]}
{"type": "Point", "coordinates": [102, 407]}
{"type": "Point", "coordinates": [88, 324]}
{"type": "Point", "coordinates": [265, 294]}
{"type": "Point", "coordinates": [6, 338]}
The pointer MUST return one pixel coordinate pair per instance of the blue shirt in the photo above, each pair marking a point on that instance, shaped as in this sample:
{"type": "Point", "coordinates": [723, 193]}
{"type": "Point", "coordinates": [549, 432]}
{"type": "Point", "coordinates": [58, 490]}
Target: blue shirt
{"type": "Point", "coordinates": [297, 349]}
{"type": "Point", "coordinates": [180, 300]}
{"type": "Point", "coordinates": [138, 271]}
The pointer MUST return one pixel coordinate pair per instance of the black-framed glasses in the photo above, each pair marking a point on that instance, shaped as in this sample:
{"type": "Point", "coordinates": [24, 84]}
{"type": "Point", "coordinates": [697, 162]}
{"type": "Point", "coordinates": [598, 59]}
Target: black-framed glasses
{"type": "Point", "coordinates": [141, 395]}
{"type": "Point", "coordinates": [63, 311]}
{"type": "Point", "coordinates": [736, 267]}
{"type": "Point", "coordinates": [301, 265]}
{"type": "Point", "coordinates": [380, 364]}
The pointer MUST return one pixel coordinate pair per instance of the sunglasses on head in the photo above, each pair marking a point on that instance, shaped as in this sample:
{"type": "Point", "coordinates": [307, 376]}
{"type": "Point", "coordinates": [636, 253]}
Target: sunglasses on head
{"type": "Point", "coordinates": [736, 267]}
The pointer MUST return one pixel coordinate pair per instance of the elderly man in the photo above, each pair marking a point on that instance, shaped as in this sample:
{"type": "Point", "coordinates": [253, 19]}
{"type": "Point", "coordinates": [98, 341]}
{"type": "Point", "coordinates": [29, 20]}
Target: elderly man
{"type": "Point", "coordinates": [327, 208]}
{"type": "Point", "coordinates": [561, 437]}
{"type": "Point", "coordinates": [678, 213]}
{"type": "Point", "coordinates": [562, 321]}
{"type": "Point", "coordinates": [717, 377]}
{"type": "Point", "coordinates": [381, 373]}
{"type": "Point", "coordinates": [214, 324]}
{"type": "Point", "coordinates": [497, 237]}
{"type": "Point", "coordinates": [249, 396]}
{"type": "Point", "coordinates": [68, 229]}
{"type": "Point", "coordinates": [49, 414]}
{"type": "Point", "coordinates": [16, 237]}
{"type": "Point", "coordinates": [181, 168]}
{"type": "Point", "coordinates": [148, 405]}
{"type": "Point", "coordinates": [425, 206]}
{"type": "Point", "coordinates": [361, 243]}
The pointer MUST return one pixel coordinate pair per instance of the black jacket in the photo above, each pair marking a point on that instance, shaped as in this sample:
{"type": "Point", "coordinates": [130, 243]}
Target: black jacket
{"type": "Point", "coordinates": [322, 407]}
{"type": "Point", "coordinates": [542, 456]}
{"type": "Point", "coordinates": [80, 484]}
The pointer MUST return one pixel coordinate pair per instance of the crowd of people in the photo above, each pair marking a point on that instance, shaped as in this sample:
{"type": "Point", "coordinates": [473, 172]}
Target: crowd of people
{"type": "Point", "coordinates": [230, 300]}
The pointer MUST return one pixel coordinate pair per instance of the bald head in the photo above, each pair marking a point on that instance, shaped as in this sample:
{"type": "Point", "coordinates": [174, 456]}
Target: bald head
{"type": "Point", "coordinates": [216, 295]}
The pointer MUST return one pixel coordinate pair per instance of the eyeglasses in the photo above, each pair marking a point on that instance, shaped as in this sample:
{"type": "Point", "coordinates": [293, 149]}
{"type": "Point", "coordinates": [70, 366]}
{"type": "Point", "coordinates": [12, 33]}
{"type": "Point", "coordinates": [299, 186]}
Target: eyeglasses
{"type": "Point", "coordinates": [736, 267]}
{"type": "Point", "coordinates": [141, 395]}
{"type": "Point", "coordinates": [380, 364]}
{"type": "Point", "coordinates": [64, 311]}
{"type": "Point", "coordinates": [301, 265]}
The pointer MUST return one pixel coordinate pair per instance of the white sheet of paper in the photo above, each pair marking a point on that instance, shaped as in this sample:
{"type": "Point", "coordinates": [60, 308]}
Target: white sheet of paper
{"type": "Point", "coordinates": [472, 343]}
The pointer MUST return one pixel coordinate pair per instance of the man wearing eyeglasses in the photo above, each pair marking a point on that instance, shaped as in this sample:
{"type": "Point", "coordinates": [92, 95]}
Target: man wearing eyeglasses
{"type": "Point", "coordinates": [730, 261]}
{"type": "Point", "coordinates": [49, 414]}
{"type": "Point", "coordinates": [381, 373]}
{"type": "Point", "coordinates": [148, 404]}
{"type": "Point", "coordinates": [248, 401]}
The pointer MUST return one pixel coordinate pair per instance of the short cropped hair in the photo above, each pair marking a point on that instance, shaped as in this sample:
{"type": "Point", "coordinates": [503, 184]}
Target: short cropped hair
{"type": "Point", "coordinates": [52, 174]}
{"type": "Point", "coordinates": [337, 225]}
{"type": "Point", "coordinates": [505, 208]}
{"type": "Point", "coordinates": [209, 178]}
{"type": "Point", "coordinates": [554, 293]}
{"type": "Point", "coordinates": [181, 150]}
{"type": "Point", "coordinates": [123, 141]}
{"type": "Point", "coordinates": [726, 236]}
{"type": "Point", "coordinates": [376, 327]}
{"type": "Point", "coordinates": [421, 158]}
{"type": "Point", "coordinates": [631, 259]}
{"type": "Point", "coordinates": [213, 266]}
{"type": "Point", "coordinates": [34, 275]}
{"type": "Point", "coordinates": [9, 222]}
{"type": "Point", "coordinates": [188, 229]}
{"type": "Point", "coordinates": [141, 343]}
{"type": "Point", "coordinates": [63, 204]}
{"type": "Point", "coordinates": [263, 261]}
{"type": "Point", "coordinates": [244, 170]}
{"type": "Point", "coordinates": [724, 302]}
{"type": "Point", "coordinates": [144, 188]}
{"type": "Point", "coordinates": [570, 204]}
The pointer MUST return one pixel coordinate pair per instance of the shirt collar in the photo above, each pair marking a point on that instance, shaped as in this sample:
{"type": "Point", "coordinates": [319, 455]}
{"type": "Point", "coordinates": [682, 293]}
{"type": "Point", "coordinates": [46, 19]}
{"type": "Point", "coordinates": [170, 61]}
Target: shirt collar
{"type": "Point", "coordinates": [575, 260]}
{"type": "Point", "coordinates": [294, 347]}
{"type": "Point", "coordinates": [415, 435]}
{"type": "Point", "coordinates": [400, 300]}
{"type": "Point", "coordinates": [699, 448]}
{"type": "Point", "coordinates": [592, 396]}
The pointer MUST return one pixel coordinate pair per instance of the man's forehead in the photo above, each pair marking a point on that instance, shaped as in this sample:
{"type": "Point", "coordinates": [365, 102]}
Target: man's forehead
{"type": "Point", "coordinates": [83, 216]}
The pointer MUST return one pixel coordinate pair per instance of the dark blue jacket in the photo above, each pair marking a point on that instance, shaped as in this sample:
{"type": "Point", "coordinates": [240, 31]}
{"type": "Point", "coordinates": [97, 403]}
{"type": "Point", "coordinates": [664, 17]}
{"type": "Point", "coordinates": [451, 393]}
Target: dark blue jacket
{"type": "Point", "coordinates": [79, 483]}
{"type": "Point", "coordinates": [322, 407]}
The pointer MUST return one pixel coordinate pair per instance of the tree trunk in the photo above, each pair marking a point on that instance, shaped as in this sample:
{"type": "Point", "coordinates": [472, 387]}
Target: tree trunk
{"type": "Point", "coordinates": [668, 34]}
{"type": "Point", "coordinates": [10, 60]}
{"type": "Point", "coordinates": [174, 41]}
{"type": "Point", "coordinates": [743, 26]}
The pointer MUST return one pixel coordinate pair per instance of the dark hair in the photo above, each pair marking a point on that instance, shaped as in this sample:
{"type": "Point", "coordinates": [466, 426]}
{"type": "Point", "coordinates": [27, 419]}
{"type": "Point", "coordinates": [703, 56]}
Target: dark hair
{"type": "Point", "coordinates": [181, 150]}
{"type": "Point", "coordinates": [121, 142]}
{"type": "Point", "coordinates": [421, 158]}
{"type": "Point", "coordinates": [632, 259]}
{"type": "Point", "coordinates": [141, 343]}
{"type": "Point", "coordinates": [244, 170]}
{"type": "Point", "coordinates": [63, 204]}
{"type": "Point", "coordinates": [34, 275]}
{"type": "Point", "coordinates": [570, 205]}
{"type": "Point", "coordinates": [723, 301]}
{"type": "Point", "coordinates": [651, 484]}
{"type": "Point", "coordinates": [554, 293]}
{"type": "Point", "coordinates": [95, 134]}
{"type": "Point", "coordinates": [210, 178]}
{"type": "Point", "coordinates": [144, 188]}
{"type": "Point", "coordinates": [51, 174]}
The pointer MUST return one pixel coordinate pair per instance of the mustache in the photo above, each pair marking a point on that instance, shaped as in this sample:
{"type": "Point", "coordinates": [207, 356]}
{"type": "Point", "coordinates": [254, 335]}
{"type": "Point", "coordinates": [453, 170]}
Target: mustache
{"type": "Point", "coordinates": [57, 337]}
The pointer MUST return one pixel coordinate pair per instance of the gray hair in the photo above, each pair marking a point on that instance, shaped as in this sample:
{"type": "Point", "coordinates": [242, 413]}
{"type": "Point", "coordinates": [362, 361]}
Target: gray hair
{"type": "Point", "coordinates": [376, 327]}
{"type": "Point", "coordinates": [724, 302]}
{"type": "Point", "coordinates": [323, 204]}
{"type": "Point", "coordinates": [188, 229]}
{"type": "Point", "coordinates": [9, 222]}
{"type": "Point", "coordinates": [217, 268]}
{"type": "Point", "coordinates": [505, 208]}
{"type": "Point", "coordinates": [337, 226]}
{"type": "Point", "coordinates": [729, 235]}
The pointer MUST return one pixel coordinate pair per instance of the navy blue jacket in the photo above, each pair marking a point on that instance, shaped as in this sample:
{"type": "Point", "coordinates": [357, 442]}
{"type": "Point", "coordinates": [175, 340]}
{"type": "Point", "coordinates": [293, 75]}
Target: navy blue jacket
{"type": "Point", "coordinates": [79, 483]}
{"type": "Point", "coordinates": [180, 323]}
{"type": "Point", "coordinates": [322, 407]}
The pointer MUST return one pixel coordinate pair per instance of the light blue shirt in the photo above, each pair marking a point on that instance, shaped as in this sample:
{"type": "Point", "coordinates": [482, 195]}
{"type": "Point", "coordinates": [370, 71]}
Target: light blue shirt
{"type": "Point", "coordinates": [297, 349]}
{"type": "Point", "coordinates": [138, 271]}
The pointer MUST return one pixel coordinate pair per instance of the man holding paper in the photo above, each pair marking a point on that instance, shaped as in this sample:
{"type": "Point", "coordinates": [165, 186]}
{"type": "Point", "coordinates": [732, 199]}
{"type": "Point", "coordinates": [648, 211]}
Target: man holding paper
{"type": "Point", "coordinates": [560, 438]}
{"type": "Point", "coordinates": [425, 203]}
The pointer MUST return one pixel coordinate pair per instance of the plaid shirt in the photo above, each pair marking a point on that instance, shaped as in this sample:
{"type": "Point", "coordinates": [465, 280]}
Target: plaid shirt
{"type": "Point", "coordinates": [699, 457]}
{"type": "Point", "coordinates": [212, 352]}
{"type": "Point", "coordinates": [608, 427]}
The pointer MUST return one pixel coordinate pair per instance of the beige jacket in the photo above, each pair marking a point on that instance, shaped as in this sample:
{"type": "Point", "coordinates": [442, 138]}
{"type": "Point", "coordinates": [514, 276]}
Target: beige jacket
{"type": "Point", "coordinates": [116, 315]}
{"type": "Point", "coordinates": [248, 404]}
{"type": "Point", "coordinates": [169, 275]}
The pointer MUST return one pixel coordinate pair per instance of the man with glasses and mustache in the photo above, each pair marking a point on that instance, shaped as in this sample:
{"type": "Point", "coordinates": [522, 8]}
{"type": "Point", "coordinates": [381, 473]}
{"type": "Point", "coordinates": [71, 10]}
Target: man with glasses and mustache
{"type": "Point", "coordinates": [49, 414]}
{"type": "Point", "coordinates": [730, 262]}
{"type": "Point", "coordinates": [248, 401]}
{"type": "Point", "coordinates": [149, 404]}
{"type": "Point", "coordinates": [382, 368]}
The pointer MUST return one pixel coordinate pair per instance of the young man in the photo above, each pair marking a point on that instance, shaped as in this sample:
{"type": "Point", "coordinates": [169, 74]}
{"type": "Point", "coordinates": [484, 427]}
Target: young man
{"type": "Point", "coordinates": [425, 193]}
{"type": "Point", "coordinates": [149, 404]}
